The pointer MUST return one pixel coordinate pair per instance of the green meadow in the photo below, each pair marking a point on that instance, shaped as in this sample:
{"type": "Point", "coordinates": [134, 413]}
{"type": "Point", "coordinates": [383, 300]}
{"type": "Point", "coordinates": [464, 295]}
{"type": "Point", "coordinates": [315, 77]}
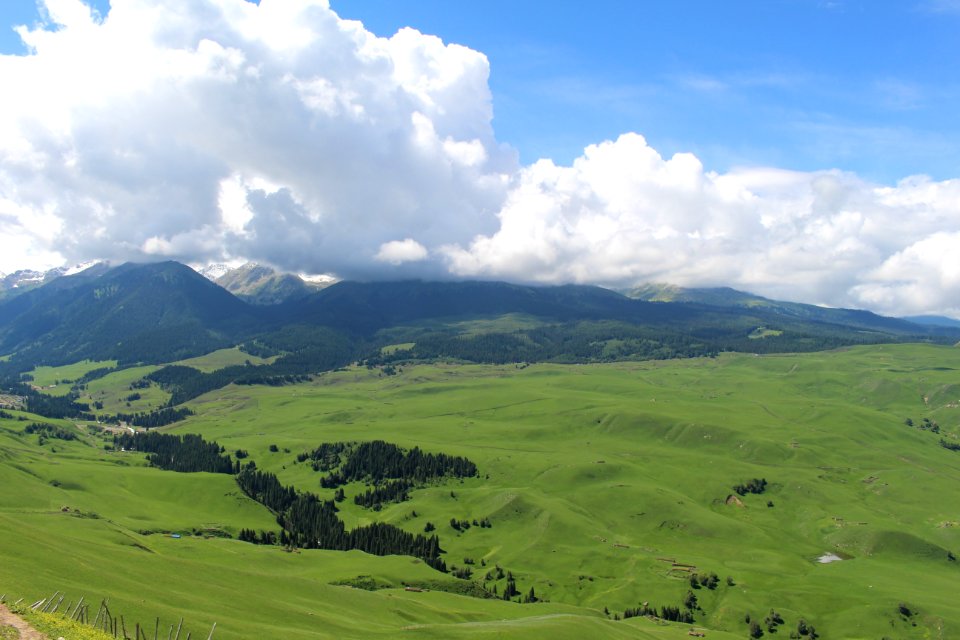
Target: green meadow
{"type": "Point", "coordinates": [57, 380]}
{"type": "Point", "coordinates": [606, 486]}
{"type": "Point", "coordinates": [223, 358]}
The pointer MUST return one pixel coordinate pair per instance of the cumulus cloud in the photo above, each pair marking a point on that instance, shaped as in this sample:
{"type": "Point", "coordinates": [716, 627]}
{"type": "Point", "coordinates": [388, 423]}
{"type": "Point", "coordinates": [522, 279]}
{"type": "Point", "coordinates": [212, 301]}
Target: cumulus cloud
{"type": "Point", "coordinates": [622, 214]}
{"type": "Point", "coordinates": [220, 130]}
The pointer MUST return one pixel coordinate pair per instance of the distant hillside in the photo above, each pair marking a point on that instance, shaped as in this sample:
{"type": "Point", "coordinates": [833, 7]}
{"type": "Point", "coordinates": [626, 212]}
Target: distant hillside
{"type": "Point", "coordinates": [369, 306]}
{"type": "Point", "coordinates": [731, 298]}
{"type": "Point", "coordinates": [163, 312]}
{"type": "Point", "coordinates": [155, 312]}
{"type": "Point", "coordinates": [258, 284]}
{"type": "Point", "coordinates": [941, 321]}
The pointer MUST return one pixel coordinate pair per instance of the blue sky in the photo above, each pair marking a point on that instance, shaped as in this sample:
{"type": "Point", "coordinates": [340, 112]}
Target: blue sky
{"type": "Point", "coordinates": [866, 86]}
{"type": "Point", "coordinates": [863, 86]}
{"type": "Point", "coordinates": [804, 150]}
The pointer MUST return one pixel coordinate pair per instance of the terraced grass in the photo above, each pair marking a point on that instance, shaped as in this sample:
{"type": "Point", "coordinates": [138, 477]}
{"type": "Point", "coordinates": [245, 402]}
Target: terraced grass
{"type": "Point", "coordinates": [605, 484]}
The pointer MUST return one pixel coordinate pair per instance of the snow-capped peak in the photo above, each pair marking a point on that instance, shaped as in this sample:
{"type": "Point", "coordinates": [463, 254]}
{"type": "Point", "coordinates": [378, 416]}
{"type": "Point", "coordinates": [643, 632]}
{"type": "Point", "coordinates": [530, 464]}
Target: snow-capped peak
{"type": "Point", "coordinates": [317, 278]}
{"type": "Point", "coordinates": [79, 268]}
{"type": "Point", "coordinates": [213, 271]}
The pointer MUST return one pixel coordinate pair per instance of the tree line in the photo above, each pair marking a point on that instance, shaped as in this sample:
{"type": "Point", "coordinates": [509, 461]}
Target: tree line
{"type": "Point", "coordinates": [312, 523]}
{"type": "Point", "coordinates": [186, 453]}
{"type": "Point", "coordinates": [45, 430]}
{"type": "Point", "coordinates": [152, 419]}
{"type": "Point", "coordinates": [48, 406]}
{"type": "Point", "coordinates": [377, 461]}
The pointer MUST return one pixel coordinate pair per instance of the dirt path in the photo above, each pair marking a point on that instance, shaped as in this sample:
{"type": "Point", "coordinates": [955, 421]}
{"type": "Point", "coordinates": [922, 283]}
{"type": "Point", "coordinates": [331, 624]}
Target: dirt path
{"type": "Point", "coordinates": [9, 619]}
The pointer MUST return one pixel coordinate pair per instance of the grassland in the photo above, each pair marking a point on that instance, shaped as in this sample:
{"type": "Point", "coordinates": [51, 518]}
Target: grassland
{"type": "Point", "coordinates": [604, 485]}
{"type": "Point", "coordinates": [223, 358]}
{"type": "Point", "coordinates": [117, 395]}
{"type": "Point", "coordinates": [57, 380]}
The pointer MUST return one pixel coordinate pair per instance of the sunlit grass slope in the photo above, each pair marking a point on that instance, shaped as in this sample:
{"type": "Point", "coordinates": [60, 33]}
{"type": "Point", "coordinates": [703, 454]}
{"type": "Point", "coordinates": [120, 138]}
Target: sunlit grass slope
{"type": "Point", "coordinates": [602, 483]}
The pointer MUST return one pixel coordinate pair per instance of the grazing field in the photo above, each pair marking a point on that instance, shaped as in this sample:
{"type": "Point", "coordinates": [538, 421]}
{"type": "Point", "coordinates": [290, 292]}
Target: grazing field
{"type": "Point", "coordinates": [118, 393]}
{"type": "Point", "coordinates": [606, 486]}
{"type": "Point", "coordinates": [223, 358]}
{"type": "Point", "coordinates": [57, 380]}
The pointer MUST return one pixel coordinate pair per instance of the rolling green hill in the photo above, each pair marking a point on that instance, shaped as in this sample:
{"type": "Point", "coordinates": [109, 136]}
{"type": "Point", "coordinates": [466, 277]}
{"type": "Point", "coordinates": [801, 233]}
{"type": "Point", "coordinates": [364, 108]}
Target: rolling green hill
{"type": "Point", "coordinates": [606, 486]}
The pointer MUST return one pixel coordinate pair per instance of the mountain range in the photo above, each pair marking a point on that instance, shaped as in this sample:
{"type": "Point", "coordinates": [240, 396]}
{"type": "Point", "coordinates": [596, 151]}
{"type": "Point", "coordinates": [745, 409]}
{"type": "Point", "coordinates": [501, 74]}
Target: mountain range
{"type": "Point", "coordinates": [164, 311]}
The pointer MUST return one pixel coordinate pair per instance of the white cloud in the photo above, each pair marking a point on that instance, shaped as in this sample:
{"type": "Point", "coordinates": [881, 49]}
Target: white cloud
{"type": "Point", "coordinates": [621, 214]}
{"type": "Point", "coordinates": [397, 252]}
{"type": "Point", "coordinates": [222, 130]}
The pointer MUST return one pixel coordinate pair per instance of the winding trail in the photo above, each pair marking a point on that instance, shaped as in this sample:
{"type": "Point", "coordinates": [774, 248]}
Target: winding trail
{"type": "Point", "coordinates": [10, 619]}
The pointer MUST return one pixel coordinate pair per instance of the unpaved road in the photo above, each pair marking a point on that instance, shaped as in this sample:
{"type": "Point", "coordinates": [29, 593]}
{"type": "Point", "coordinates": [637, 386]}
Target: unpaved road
{"type": "Point", "coordinates": [9, 619]}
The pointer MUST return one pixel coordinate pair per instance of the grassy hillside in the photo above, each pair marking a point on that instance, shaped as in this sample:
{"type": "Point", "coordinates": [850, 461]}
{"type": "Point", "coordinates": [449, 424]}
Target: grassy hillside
{"type": "Point", "coordinates": [606, 486]}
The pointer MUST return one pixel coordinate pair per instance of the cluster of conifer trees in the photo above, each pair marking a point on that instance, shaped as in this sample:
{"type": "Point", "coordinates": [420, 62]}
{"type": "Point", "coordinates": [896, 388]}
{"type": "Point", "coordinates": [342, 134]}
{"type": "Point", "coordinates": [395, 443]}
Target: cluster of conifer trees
{"type": "Point", "coordinates": [264, 537]}
{"type": "Point", "coordinates": [312, 523]}
{"type": "Point", "coordinates": [187, 453]}
{"type": "Point", "coordinates": [153, 419]}
{"type": "Point", "coordinates": [49, 431]}
{"type": "Point", "coordinates": [389, 491]}
{"type": "Point", "coordinates": [667, 612]}
{"type": "Point", "coordinates": [327, 456]}
{"type": "Point", "coordinates": [49, 406]}
{"type": "Point", "coordinates": [378, 460]}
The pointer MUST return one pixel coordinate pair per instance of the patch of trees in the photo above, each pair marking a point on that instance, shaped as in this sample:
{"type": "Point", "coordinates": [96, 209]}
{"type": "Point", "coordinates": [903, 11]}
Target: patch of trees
{"type": "Point", "coordinates": [756, 485]}
{"type": "Point", "coordinates": [308, 350]}
{"type": "Point", "coordinates": [56, 407]}
{"type": "Point", "coordinates": [186, 453]}
{"type": "Point", "coordinates": [951, 446]}
{"type": "Point", "coordinates": [666, 612]}
{"type": "Point", "coordinates": [264, 537]}
{"type": "Point", "coordinates": [391, 470]}
{"type": "Point", "coordinates": [510, 589]}
{"type": "Point", "coordinates": [327, 456]}
{"type": "Point", "coordinates": [94, 374]}
{"type": "Point", "coordinates": [155, 418]}
{"type": "Point", "coordinates": [45, 430]}
{"type": "Point", "coordinates": [268, 380]}
{"type": "Point", "coordinates": [258, 349]}
{"type": "Point", "coordinates": [708, 580]}
{"type": "Point", "coordinates": [805, 630]}
{"type": "Point", "coordinates": [312, 523]}
{"type": "Point", "coordinates": [463, 525]}
{"type": "Point", "coordinates": [378, 460]}
{"type": "Point", "coordinates": [186, 383]}
{"type": "Point", "coordinates": [389, 491]}
{"type": "Point", "coordinates": [925, 425]}
{"type": "Point", "coordinates": [773, 621]}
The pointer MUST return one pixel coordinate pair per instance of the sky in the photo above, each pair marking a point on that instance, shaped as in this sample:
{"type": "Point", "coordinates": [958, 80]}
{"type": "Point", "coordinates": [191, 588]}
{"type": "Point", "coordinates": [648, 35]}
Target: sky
{"type": "Point", "coordinates": [800, 149]}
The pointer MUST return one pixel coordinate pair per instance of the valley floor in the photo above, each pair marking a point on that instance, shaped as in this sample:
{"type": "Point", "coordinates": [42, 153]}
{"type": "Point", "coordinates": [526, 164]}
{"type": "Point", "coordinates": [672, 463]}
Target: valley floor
{"type": "Point", "coordinates": [607, 486]}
